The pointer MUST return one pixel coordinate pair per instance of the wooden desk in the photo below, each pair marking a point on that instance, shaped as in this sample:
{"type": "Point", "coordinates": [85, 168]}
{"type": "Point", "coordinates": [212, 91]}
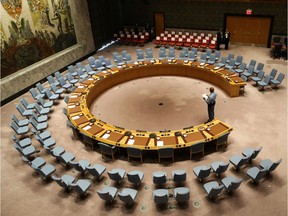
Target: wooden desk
{"type": "Point", "coordinates": [85, 122]}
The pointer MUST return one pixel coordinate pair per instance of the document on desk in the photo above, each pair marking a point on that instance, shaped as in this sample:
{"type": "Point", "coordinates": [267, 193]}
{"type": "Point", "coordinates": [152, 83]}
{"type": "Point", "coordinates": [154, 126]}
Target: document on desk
{"type": "Point", "coordinates": [105, 136]}
{"type": "Point", "coordinates": [130, 141]}
{"type": "Point", "coordinates": [87, 127]}
{"type": "Point", "coordinates": [160, 143]}
{"type": "Point", "coordinates": [75, 117]}
{"type": "Point", "coordinates": [71, 106]}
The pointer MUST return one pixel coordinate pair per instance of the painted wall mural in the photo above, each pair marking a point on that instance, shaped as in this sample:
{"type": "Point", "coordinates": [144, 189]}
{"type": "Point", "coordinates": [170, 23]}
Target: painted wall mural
{"type": "Point", "coordinates": [32, 30]}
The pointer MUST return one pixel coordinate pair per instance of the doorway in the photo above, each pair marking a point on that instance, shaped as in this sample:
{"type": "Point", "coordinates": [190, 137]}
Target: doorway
{"type": "Point", "coordinates": [159, 22]}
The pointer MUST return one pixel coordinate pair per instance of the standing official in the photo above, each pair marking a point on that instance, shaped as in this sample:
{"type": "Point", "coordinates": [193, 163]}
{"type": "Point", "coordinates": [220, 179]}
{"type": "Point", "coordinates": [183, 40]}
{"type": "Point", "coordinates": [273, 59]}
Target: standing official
{"type": "Point", "coordinates": [226, 38]}
{"type": "Point", "coordinates": [211, 101]}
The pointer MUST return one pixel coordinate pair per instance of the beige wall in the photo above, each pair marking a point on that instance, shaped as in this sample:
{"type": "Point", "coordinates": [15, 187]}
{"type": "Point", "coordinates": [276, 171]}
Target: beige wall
{"type": "Point", "coordinates": [24, 78]}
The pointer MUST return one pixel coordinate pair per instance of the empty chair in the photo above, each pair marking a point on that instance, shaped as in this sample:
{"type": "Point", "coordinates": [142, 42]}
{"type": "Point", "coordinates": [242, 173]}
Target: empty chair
{"type": "Point", "coordinates": [46, 143]}
{"type": "Point", "coordinates": [202, 172]}
{"type": "Point", "coordinates": [107, 193]}
{"type": "Point", "coordinates": [219, 167]}
{"type": "Point", "coordinates": [182, 55]}
{"type": "Point", "coordinates": [34, 94]}
{"type": "Point", "coordinates": [64, 181]}
{"type": "Point", "coordinates": [127, 195]}
{"type": "Point", "coordinates": [186, 50]}
{"type": "Point", "coordinates": [65, 158]}
{"type": "Point", "coordinates": [19, 130]}
{"type": "Point", "coordinates": [96, 170]}
{"type": "Point", "coordinates": [107, 150]}
{"type": "Point", "coordinates": [249, 72]}
{"type": "Point", "coordinates": [208, 53]}
{"type": "Point", "coordinates": [58, 75]}
{"type": "Point", "coordinates": [79, 65]}
{"type": "Point", "coordinates": [135, 177]}
{"type": "Point", "coordinates": [252, 153]}
{"type": "Point", "coordinates": [275, 82]}
{"type": "Point", "coordinates": [99, 66]}
{"type": "Point", "coordinates": [258, 78]}
{"type": "Point", "coordinates": [51, 96]}
{"type": "Point", "coordinates": [23, 143]}
{"type": "Point", "coordinates": [203, 58]}
{"type": "Point", "coordinates": [149, 56]}
{"type": "Point", "coordinates": [231, 183]}
{"type": "Point", "coordinates": [81, 187]}
{"type": "Point", "coordinates": [26, 152]}
{"type": "Point", "coordinates": [38, 126]}
{"type": "Point", "coordinates": [26, 104]}
{"type": "Point", "coordinates": [52, 80]}
{"type": "Point", "coordinates": [230, 56]}
{"type": "Point", "coordinates": [80, 165]}
{"type": "Point", "coordinates": [160, 196]}
{"type": "Point", "coordinates": [273, 73]}
{"type": "Point", "coordinates": [241, 69]}
{"type": "Point", "coordinates": [117, 175]}
{"type": "Point", "coordinates": [222, 62]}
{"type": "Point", "coordinates": [23, 112]}
{"type": "Point", "coordinates": [45, 104]}
{"type": "Point", "coordinates": [252, 63]}
{"type": "Point", "coordinates": [165, 153]}
{"type": "Point", "coordinates": [264, 82]}
{"type": "Point", "coordinates": [259, 68]}
{"type": "Point", "coordinates": [72, 70]}
{"type": "Point", "coordinates": [140, 56]}
{"type": "Point", "coordinates": [120, 61]}
{"type": "Point", "coordinates": [89, 70]}
{"type": "Point", "coordinates": [217, 55]}
{"type": "Point", "coordinates": [231, 64]}
{"type": "Point", "coordinates": [179, 176]}
{"type": "Point", "coordinates": [211, 60]}
{"type": "Point", "coordinates": [213, 189]}
{"type": "Point", "coordinates": [222, 140]}
{"type": "Point", "coordinates": [159, 177]}
{"type": "Point", "coordinates": [269, 165]}
{"type": "Point", "coordinates": [239, 160]}
{"type": "Point", "coordinates": [91, 61]}
{"type": "Point", "coordinates": [56, 151]}
{"type": "Point", "coordinates": [197, 148]}
{"type": "Point", "coordinates": [256, 174]}
{"type": "Point", "coordinates": [162, 55]}
{"type": "Point", "coordinates": [171, 54]}
{"type": "Point", "coordinates": [57, 90]}
{"type": "Point", "coordinates": [238, 60]}
{"type": "Point", "coordinates": [43, 135]}
{"type": "Point", "coordinates": [135, 153]}
{"type": "Point", "coordinates": [40, 88]}
{"type": "Point", "coordinates": [64, 84]}
{"type": "Point", "coordinates": [129, 58]}
{"type": "Point", "coordinates": [37, 162]}
{"type": "Point", "coordinates": [244, 78]}
{"type": "Point", "coordinates": [39, 118]}
{"type": "Point", "coordinates": [42, 110]}
{"type": "Point", "coordinates": [192, 56]}
{"type": "Point", "coordinates": [45, 171]}
{"type": "Point", "coordinates": [71, 79]}
{"type": "Point", "coordinates": [21, 122]}
{"type": "Point", "coordinates": [181, 194]}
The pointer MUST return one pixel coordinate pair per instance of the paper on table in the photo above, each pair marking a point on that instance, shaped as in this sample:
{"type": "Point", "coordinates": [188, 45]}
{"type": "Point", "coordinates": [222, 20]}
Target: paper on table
{"type": "Point", "coordinates": [105, 136]}
{"type": "Point", "coordinates": [160, 143]}
{"type": "Point", "coordinates": [87, 127]}
{"type": "Point", "coordinates": [71, 106]}
{"type": "Point", "coordinates": [130, 141]}
{"type": "Point", "coordinates": [80, 86]}
{"type": "Point", "coordinates": [202, 64]}
{"type": "Point", "coordinates": [90, 79]}
{"type": "Point", "coordinates": [73, 96]}
{"type": "Point", "coordinates": [185, 61]}
{"type": "Point", "coordinates": [75, 117]}
{"type": "Point", "coordinates": [216, 68]}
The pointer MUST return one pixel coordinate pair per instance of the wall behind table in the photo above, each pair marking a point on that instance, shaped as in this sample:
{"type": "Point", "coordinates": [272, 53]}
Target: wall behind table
{"type": "Point", "coordinates": [26, 77]}
{"type": "Point", "coordinates": [196, 14]}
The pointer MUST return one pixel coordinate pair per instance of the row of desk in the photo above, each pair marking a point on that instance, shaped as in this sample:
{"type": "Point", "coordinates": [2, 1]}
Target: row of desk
{"type": "Point", "coordinates": [87, 91]}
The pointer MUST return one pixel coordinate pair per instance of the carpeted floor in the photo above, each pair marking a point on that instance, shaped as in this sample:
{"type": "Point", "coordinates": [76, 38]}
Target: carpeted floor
{"type": "Point", "coordinates": [258, 119]}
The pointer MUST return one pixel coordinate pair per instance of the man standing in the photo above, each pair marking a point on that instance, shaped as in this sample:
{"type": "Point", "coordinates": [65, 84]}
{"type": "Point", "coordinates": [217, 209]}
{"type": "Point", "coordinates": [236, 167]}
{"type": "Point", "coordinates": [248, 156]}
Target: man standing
{"type": "Point", "coordinates": [219, 38]}
{"type": "Point", "coordinates": [227, 38]}
{"type": "Point", "coordinates": [211, 101]}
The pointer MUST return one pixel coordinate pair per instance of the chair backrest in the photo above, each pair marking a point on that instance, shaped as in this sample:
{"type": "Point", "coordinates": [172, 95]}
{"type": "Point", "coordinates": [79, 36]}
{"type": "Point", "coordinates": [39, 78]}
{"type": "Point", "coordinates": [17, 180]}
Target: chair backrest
{"type": "Point", "coordinates": [79, 72]}
{"type": "Point", "coordinates": [235, 184]}
{"type": "Point", "coordinates": [230, 56]}
{"type": "Point", "coordinates": [273, 73]}
{"type": "Point", "coordinates": [231, 62]}
{"type": "Point", "coordinates": [274, 165]}
{"type": "Point", "coordinates": [252, 63]}
{"type": "Point", "coordinates": [244, 78]}
{"type": "Point", "coordinates": [239, 59]}
{"type": "Point", "coordinates": [33, 93]}
{"type": "Point", "coordinates": [260, 174]}
{"type": "Point", "coordinates": [79, 65]}
{"type": "Point", "coordinates": [182, 194]}
{"type": "Point", "coordinates": [217, 53]}
{"type": "Point", "coordinates": [13, 126]}
{"type": "Point", "coordinates": [149, 54]}
{"type": "Point", "coordinates": [208, 52]}
{"type": "Point", "coordinates": [260, 74]}
{"type": "Point", "coordinates": [260, 66]}
{"type": "Point", "coordinates": [242, 66]}
{"type": "Point", "coordinates": [58, 181]}
{"type": "Point", "coordinates": [104, 195]}
{"type": "Point", "coordinates": [98, 63]}
{"type": "Point", "coordinates": [106, 149]}
{"type": "Point", "coordinates": [71, 69]}
{"type": "Point", "coordinates": [129, 57]}
{"type": "Point", "coordinates": [125, 198]}
{"type": "Point", "coordinates": [223, 167]}
{"type": "Point", "coordinates": [182, 54]}
{"type": "Point", "coordinates": [39, 87]}
{"type": "Point", "coordinates": [250, 69]}
{"type": "Point", "coordinates": [53, 86]}
{"type": "Point", "coordinates": [57, 75]}
{"type": "Point", "coordinates": [134, 178]}
{"type": "Point", "coordinates": [212, 58]}
{"type": "Point", "coordinates": [280, 77]}
{"type": "Point", "coordinates": [267, 79]}
{"type": "Point", "coordinates": [91, 60]}
{"type": "Point", "coordinates": [204, 173]}
{"type": "Point", "coordinates": [223, 60]}
{"type": "Point", "coordinates": [222, 139]}
{"type": "Point", "coordinates": [15, 119]}
{"type": "Point", "coordinates": [256, 152]}
{"type": "Point", "coordinates": [87, 68]}
{"type": "Point", "coordinates": [199, 147]}
{"type": "Point", "coordinates": [165, 152]}
{"type": "Point", "coordinates": [20, 109]}
{"type": "Point", "coordinates": [203, 56]}
{"type": "Point", "coordinates": [134, 152]}
{"type": "Point", "coordinates": [37, 107]}
{"type": "Point", "coordinates": [114, 176]}
{"type": "Point", "coordinates": [215, 191]}
{"type": "Point", "coordinates": [162, 54]}
{"type": "Point", "coordinates": [161, 199]}
{"type": "Point", "coordinates": [50, 79]}
{"type": "Point", "coordinates": [24, 102]}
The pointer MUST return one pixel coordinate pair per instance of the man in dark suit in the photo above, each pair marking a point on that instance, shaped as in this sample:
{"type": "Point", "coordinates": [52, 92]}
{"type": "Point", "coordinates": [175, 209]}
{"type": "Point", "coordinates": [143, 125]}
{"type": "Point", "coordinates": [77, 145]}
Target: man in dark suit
{"type": "Point", "coordinates": [226, 38]}
{"type": "Point", "coordinates": [219, 38]}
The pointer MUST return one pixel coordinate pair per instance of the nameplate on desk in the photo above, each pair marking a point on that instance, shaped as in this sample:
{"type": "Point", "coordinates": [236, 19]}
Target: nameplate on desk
{"type": "Point", "coordinates": [81, 86]}
{"type": "Point", "coordinates": [75, 117]}
{"type": "Point", "coordinates": [186, 61]}
{"type": "Point", "coordinates": [202, 64]}
{"type": "Point", "coordinates": [152, 61]}
{"type": "Point", "coordinates": [130, 141]}
{"type": "Point", "coordinates": [160, 143]}
{"type": "Point", "coordinates": [90, 79]}
{"type": "Point", "coordinates": [105, 136]}
{"type": "Point", "coordinates": [73, 96]}
{"type": "Point", "coordinates": [71, 106]}
{"type": "Point", "coordinates": [216, 68]}
{"type": "Point", "coordinates": [87, 127]}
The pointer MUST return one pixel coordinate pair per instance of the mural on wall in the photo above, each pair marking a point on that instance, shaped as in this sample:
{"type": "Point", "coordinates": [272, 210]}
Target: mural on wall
{"type": "Point", "coordinates": [33, 30]}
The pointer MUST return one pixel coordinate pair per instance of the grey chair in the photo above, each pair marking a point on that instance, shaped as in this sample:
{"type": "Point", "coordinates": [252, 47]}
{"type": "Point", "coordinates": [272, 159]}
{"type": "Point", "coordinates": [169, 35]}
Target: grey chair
{"type": "Point", "coordinates": [171, 54]}
{"type": "Point", "coordinates": [241, 68]}
{"type": "Point", "coordinates": [26, 152]}
{"type": "Point", "coordinates": [165, 152]}
{"type": "Point", "coordinates": [58, 75]}
{"type": "Point", "coordinates": [57, 90]}
{"type": "Point", "coordinates": [197, 148]}
{"type": "Point", "coordinates": [71, 70]}
{"type": "Point", "coordinates": [258, 78]}
{"type": "Point", "coordinates": [45, 104]}
{"type": "Point", "coordinates": [43, 135]}
{"type": "Point", "coordinates": [161, 196]}
{"type": "Point", "coordinates": [19, 130]}
{"type": "Point", "coordinates": [56, 151]}
{"type": "Point", "coordinates": [222, 140]}
{"type": "Point", "coordinates": [222, 62]}
{"type": "Point", "coordinates": [64, 84]}
{"type": "Point", "coordinates": [239, 160]}
{"type": "Point", "coordinates": [159, 177]}
{"type": "Point", "coordinates": [80, 165]}
{"type": "Point", "coordinates": [38, 126]}
{"type": "Point", "coordinates": [261, 84]}
{"type": "Point", "coordinates": [65, 158]}
{"type": "Point", "coordinates": [179, 176]}
{"type": "Point", "coordinates": [134, 153]}
{"type": "Point", "coordinates": [238, 60]}
{"type": "Point", "coordinates": [27, 105]}
{"type": "Point", "coordinates": [181, 194]}
{"type": "Point", "coordinates": [244, 78]}
{"type": "Point", "coordinates": [252, 153]}
{"type": "Point", "coordinates": [40, 118]}
{"type": "Point", "coordinates": [249, 72]}
{"type": "Point", "coordinates": [213, 189]}
{"type": "Point", "coordinates": [81, 187]}
{"type": "Point", "coordinates": [71, 79]}
{"type": "Point", "coordinates": [256, 174]}
{"type": "Point", "coordinates": [203, 58]}
{"type": "Point", "coordinates": [37, 162]}
{"type": "Point", "coordinates": [135, 177]}
{"type": "Point", "coordinates": [46, 171]}
{"type": "Point", "coordinates": [107, 150]}
{"type": "Point", "coordinates": [91, 61]}
{"type": "Point", "coordinates": [231, 64]}
{"type": "Point", "coordinates": [41, 110]}
{"type": "Point", "coordinates": [140, 56]}
{"type": "Point", "coordinates": [201, 172]}
{"type": "Point", "coordinates": [211, 60]}
{"type": "Point", "coordinates": [47, 143]}
{"type": "Point", "coordinates": [128, 196]}
{"type": "Point", "coordinates": [23, 112]}
{"type": "Point", "coordinates": [252, 63]}
{"type": "Point", "coordinates": [162, 55]}
{"type": "Point", "coordinates": [19, 122]}
{"type": "Point", "coordinates": [217, 55]}
{"type": "Point", "coordinates": [107, 193]}
{"type": "Point", "coordinates": [259, 68]}
{"type": "Point", "coordinates": [52, 80]}
{"type": "Point", "coordinates": [231, 183]}
{"type": "Point", "coordinates": [269, 165]}
{"type": "Point", "coordinates": [35, 95]}
{"type": "Point", "coordinates": [219, 167]}
{"type": "Point", "coordinates": [230, 56]}
{"type": "Point", "coordinates": [192, 56]}
{"type": "Point", "coordinates": [81, 74]}
{"type": "Point", "coordinates": [23, 143]}
{"type": "Point", "coordinates": [129, 58]}
{"type": "Point", "coordinates": [273, 73]}
{"type": "Point", "coordinates": [51, 96]}
{"type": "Point", "coordinates": [117, 175]}
{"type": "Point", "coordinates": [40, 88]}
{"type": "Point", "coordinates": [64, 181]}
{"type": "Point", "coordinates": [120, 61]}
{"type": "Point", "coordinates": [96, 170]}
{"type": "Point", "coordinates": [275, 82]}
{"type": "Point", "coordinates": [182, 55]}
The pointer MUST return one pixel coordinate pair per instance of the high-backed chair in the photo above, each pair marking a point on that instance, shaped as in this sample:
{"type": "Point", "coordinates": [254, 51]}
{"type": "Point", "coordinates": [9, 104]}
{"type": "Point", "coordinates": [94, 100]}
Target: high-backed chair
{"type": "Point", "coordinates": [96, 170]}
{"type": "Point", "coordinates": [58, 90]}
{"type": "Point", "coordinates": [197, 148]}
{"type": "Point", "coordinates": [269, 165]}
{"type": "Point", "coordinates": [72, 70]}
{"type": "Point", "coordinates": [56, 151]}
{"type": "Point", "coordinates": [40, 88]}
{"type": "Point", "coordinates": [39, 118]}
{"type": "Point", "coordinates": [202, 172]}
{"type": "Point", "coordinates": [52, 80]}
{"type": "Point", "coordinates": [135, 153]}
{"type": "Point", "coordinates": [107, 150]}
{"type": "Point", "coordinates": [261, 84]}
{"type": "Point", "coordinates": [259, 68]}
{"type": "Point", "coordinates": [135, 177]}
{"type": "Point", "coordinates": [38, 126]}
{"type": "Point", "coordinates": [23, 112]}
{"type": "Point", "coordinates": [128, 196]}
{"type": "Point", "coordinates": [64, 181]}
{"type": "Point", "coordinates": [47, 143]}
{"type": "Point", "coordinates": [275, 82]}
{"type": "Point", "coordinates": [50, 95]}
{"type": "Point", "coordinates": [166, 152]}
{"type": "Point", "coordinates": [65, 158]}
{"type": "Point", "coordinates": [80, 165]}
{"type": "Point", "coordinates": [211, 60]}
{"type": "Point", "coordinates": [19, 130]}
{"type": "Point", "coordinates": [42, 110]}
{"type": "Point", "coordinates": [252, 153]}
{"type": "Point", "coordinates": [258, 78]}
{"type": "Point", "coordinates": [231, 64]}
{"type": "Point", "coordinates": [222, 140]}
{"type": "Point", "coordinates": [107, 193]}
{"type": "Point", "coordinates": [179, 176]}
{"type": "Point", "coordinates": [45, 171]}
{"type": "Point", "coordinates": [26, 152]}
{"type": "Point", "coordinates": [219, 167]}
{"type": "Point", "coordinates": [249, 72]}
{"type": "Point", "coordinates": [222, 62]}
{"type": "Point", "coordinates": [252, 63]}
{"type": "Point", "coordinates": [35, 95]}
{"type": "Point", "coordinates": [256, 174]}
{"type": "Point", "coordinates": [238, 60]}
{"type": "Point", "coordinates": [81, 187]}
{"type": "Point", "coordinates": [91, 61]}
{"type": "Point", "coordinates": [71, 79]}
{"type": "Point", "coordinates": [160, 196]}
{"type": "Point", "coordinates": [19, 122]}
{"type": "Point", "coordinates": [27, 105]}
{"type": "Point", "coordinates": [231, 183]}
{"type": "Point", "coordinates": [192, 56]}
{"type": "Point", "coordinates": [181, 194]}
{"type": "Point", "coordinates": [117, 175]}
{"type": "Point", "coordinates": [213, 189]}
{"type": "Point", "coordinates": [38, 162]}
{"type": "Point", "coordinates": [23, 143]}
{"type": "Point", "coordinates": [46, 104]}
{"type": "Point", "coordinates": [239, 160]}
{"type": "Point", "coordinates": [241, 68]}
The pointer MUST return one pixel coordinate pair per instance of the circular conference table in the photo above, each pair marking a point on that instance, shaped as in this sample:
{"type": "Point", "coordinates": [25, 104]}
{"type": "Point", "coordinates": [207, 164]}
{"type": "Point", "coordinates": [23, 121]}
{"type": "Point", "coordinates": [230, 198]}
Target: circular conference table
{"type": "Point", "coordinates": [86, 123]}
